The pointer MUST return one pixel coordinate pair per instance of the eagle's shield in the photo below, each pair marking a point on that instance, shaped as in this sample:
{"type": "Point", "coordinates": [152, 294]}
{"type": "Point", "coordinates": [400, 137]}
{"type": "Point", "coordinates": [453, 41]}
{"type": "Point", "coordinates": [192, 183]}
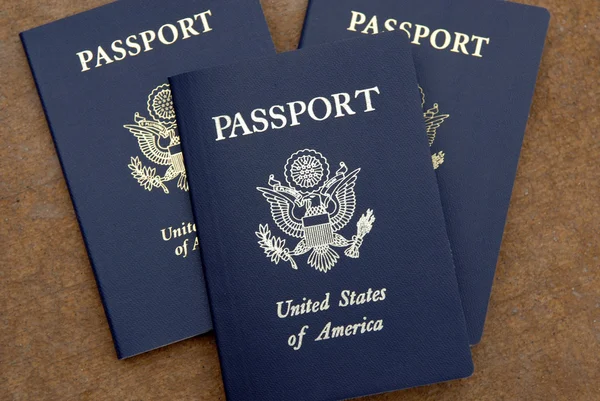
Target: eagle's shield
{"type": "Point", "coordinates": [177, 158]}
{"type": "Point", "coordinates": [317, 230]}
{"type": "Point", "coordinates": [312, 206]}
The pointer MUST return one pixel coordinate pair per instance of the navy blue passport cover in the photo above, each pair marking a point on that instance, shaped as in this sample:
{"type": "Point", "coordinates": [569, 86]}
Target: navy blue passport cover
{"type": "Point", "coordinates": [112, 122]}
{"type": "Point", "coordinates": [332, 212]}
{"type": "Point", "coordinates": [477, 64]}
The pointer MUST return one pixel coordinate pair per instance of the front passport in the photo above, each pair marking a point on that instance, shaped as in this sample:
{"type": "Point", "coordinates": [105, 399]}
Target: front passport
{"type": "Point", "coordinates": [477, 64]}
{"type": "Point", "coordinates": [102, 77]}
{"type": "Point", "coordinates": [326, 256]}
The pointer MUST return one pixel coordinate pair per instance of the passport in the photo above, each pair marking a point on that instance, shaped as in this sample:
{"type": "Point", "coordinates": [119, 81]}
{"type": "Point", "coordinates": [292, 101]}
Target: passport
{"type": "Point", "coordinates": [326, 257]}
{"type": "Point", "coordinates": [476, 64]}
{"type": "Point", "coordinates": [102, 78]}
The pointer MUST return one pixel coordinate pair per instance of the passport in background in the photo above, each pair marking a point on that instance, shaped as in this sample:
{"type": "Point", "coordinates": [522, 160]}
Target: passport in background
{"type": "Point", "coordinates": [326, 255]}
{"type": "Point", "coordinates": [102, 77]}
{"type": "Point", "coordinates": [477, 64]}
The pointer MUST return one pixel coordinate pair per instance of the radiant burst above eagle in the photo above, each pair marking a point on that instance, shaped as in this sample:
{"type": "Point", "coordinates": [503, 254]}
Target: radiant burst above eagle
{"type": "Point", "coordinates": [313, 207]}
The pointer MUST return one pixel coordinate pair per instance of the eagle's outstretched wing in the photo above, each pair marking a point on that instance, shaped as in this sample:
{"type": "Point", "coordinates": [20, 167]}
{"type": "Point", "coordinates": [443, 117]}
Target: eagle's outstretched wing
{"type": "Point", "coordinates": [281, 210]}
{"type": "Point", "coordinates": [147, 138]}
{"type": "Point", "coordinates": [433, 122]}
{"type": "Point", "coordinates": [344, 200]}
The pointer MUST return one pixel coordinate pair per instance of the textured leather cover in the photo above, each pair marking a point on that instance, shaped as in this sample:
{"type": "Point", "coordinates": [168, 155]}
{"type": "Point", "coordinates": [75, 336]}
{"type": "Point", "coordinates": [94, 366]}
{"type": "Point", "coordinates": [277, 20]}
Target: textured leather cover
{"type": "Point", "coordinates": [271, 201]}
{"type": "Point", "coordinates": [487, 99]}
{"type": "Point", "coordinates": [152, 289]}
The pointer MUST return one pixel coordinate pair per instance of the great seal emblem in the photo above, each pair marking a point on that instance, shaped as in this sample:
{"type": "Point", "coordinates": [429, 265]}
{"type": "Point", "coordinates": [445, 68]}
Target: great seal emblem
{"type": "Point", "coordinates": [158, 140]}
{"type": "Point", "coordinates": [313, 207]}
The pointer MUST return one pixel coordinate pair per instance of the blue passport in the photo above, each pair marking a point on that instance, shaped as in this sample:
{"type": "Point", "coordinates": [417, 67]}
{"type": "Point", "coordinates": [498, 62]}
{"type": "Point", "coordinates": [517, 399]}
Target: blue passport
{"type": "Point", "coordinates": [322, 234]}
{"type": "Point", "coordinates": [477, 64]}
{"type": "Point", "coordinates": [102, 78]}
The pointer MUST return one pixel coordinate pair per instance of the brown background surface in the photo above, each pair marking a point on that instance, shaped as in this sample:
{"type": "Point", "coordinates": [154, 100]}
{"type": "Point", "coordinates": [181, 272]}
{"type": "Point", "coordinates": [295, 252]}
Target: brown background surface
{"type": "Point", "coordinates": [542, 338]}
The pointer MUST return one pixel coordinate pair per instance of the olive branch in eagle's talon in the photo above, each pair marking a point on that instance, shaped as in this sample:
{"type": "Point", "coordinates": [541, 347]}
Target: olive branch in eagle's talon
{"type": "Point", "coordinates": [274, 247]}
{"type": "Point", "coordinates": [146, 176]}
